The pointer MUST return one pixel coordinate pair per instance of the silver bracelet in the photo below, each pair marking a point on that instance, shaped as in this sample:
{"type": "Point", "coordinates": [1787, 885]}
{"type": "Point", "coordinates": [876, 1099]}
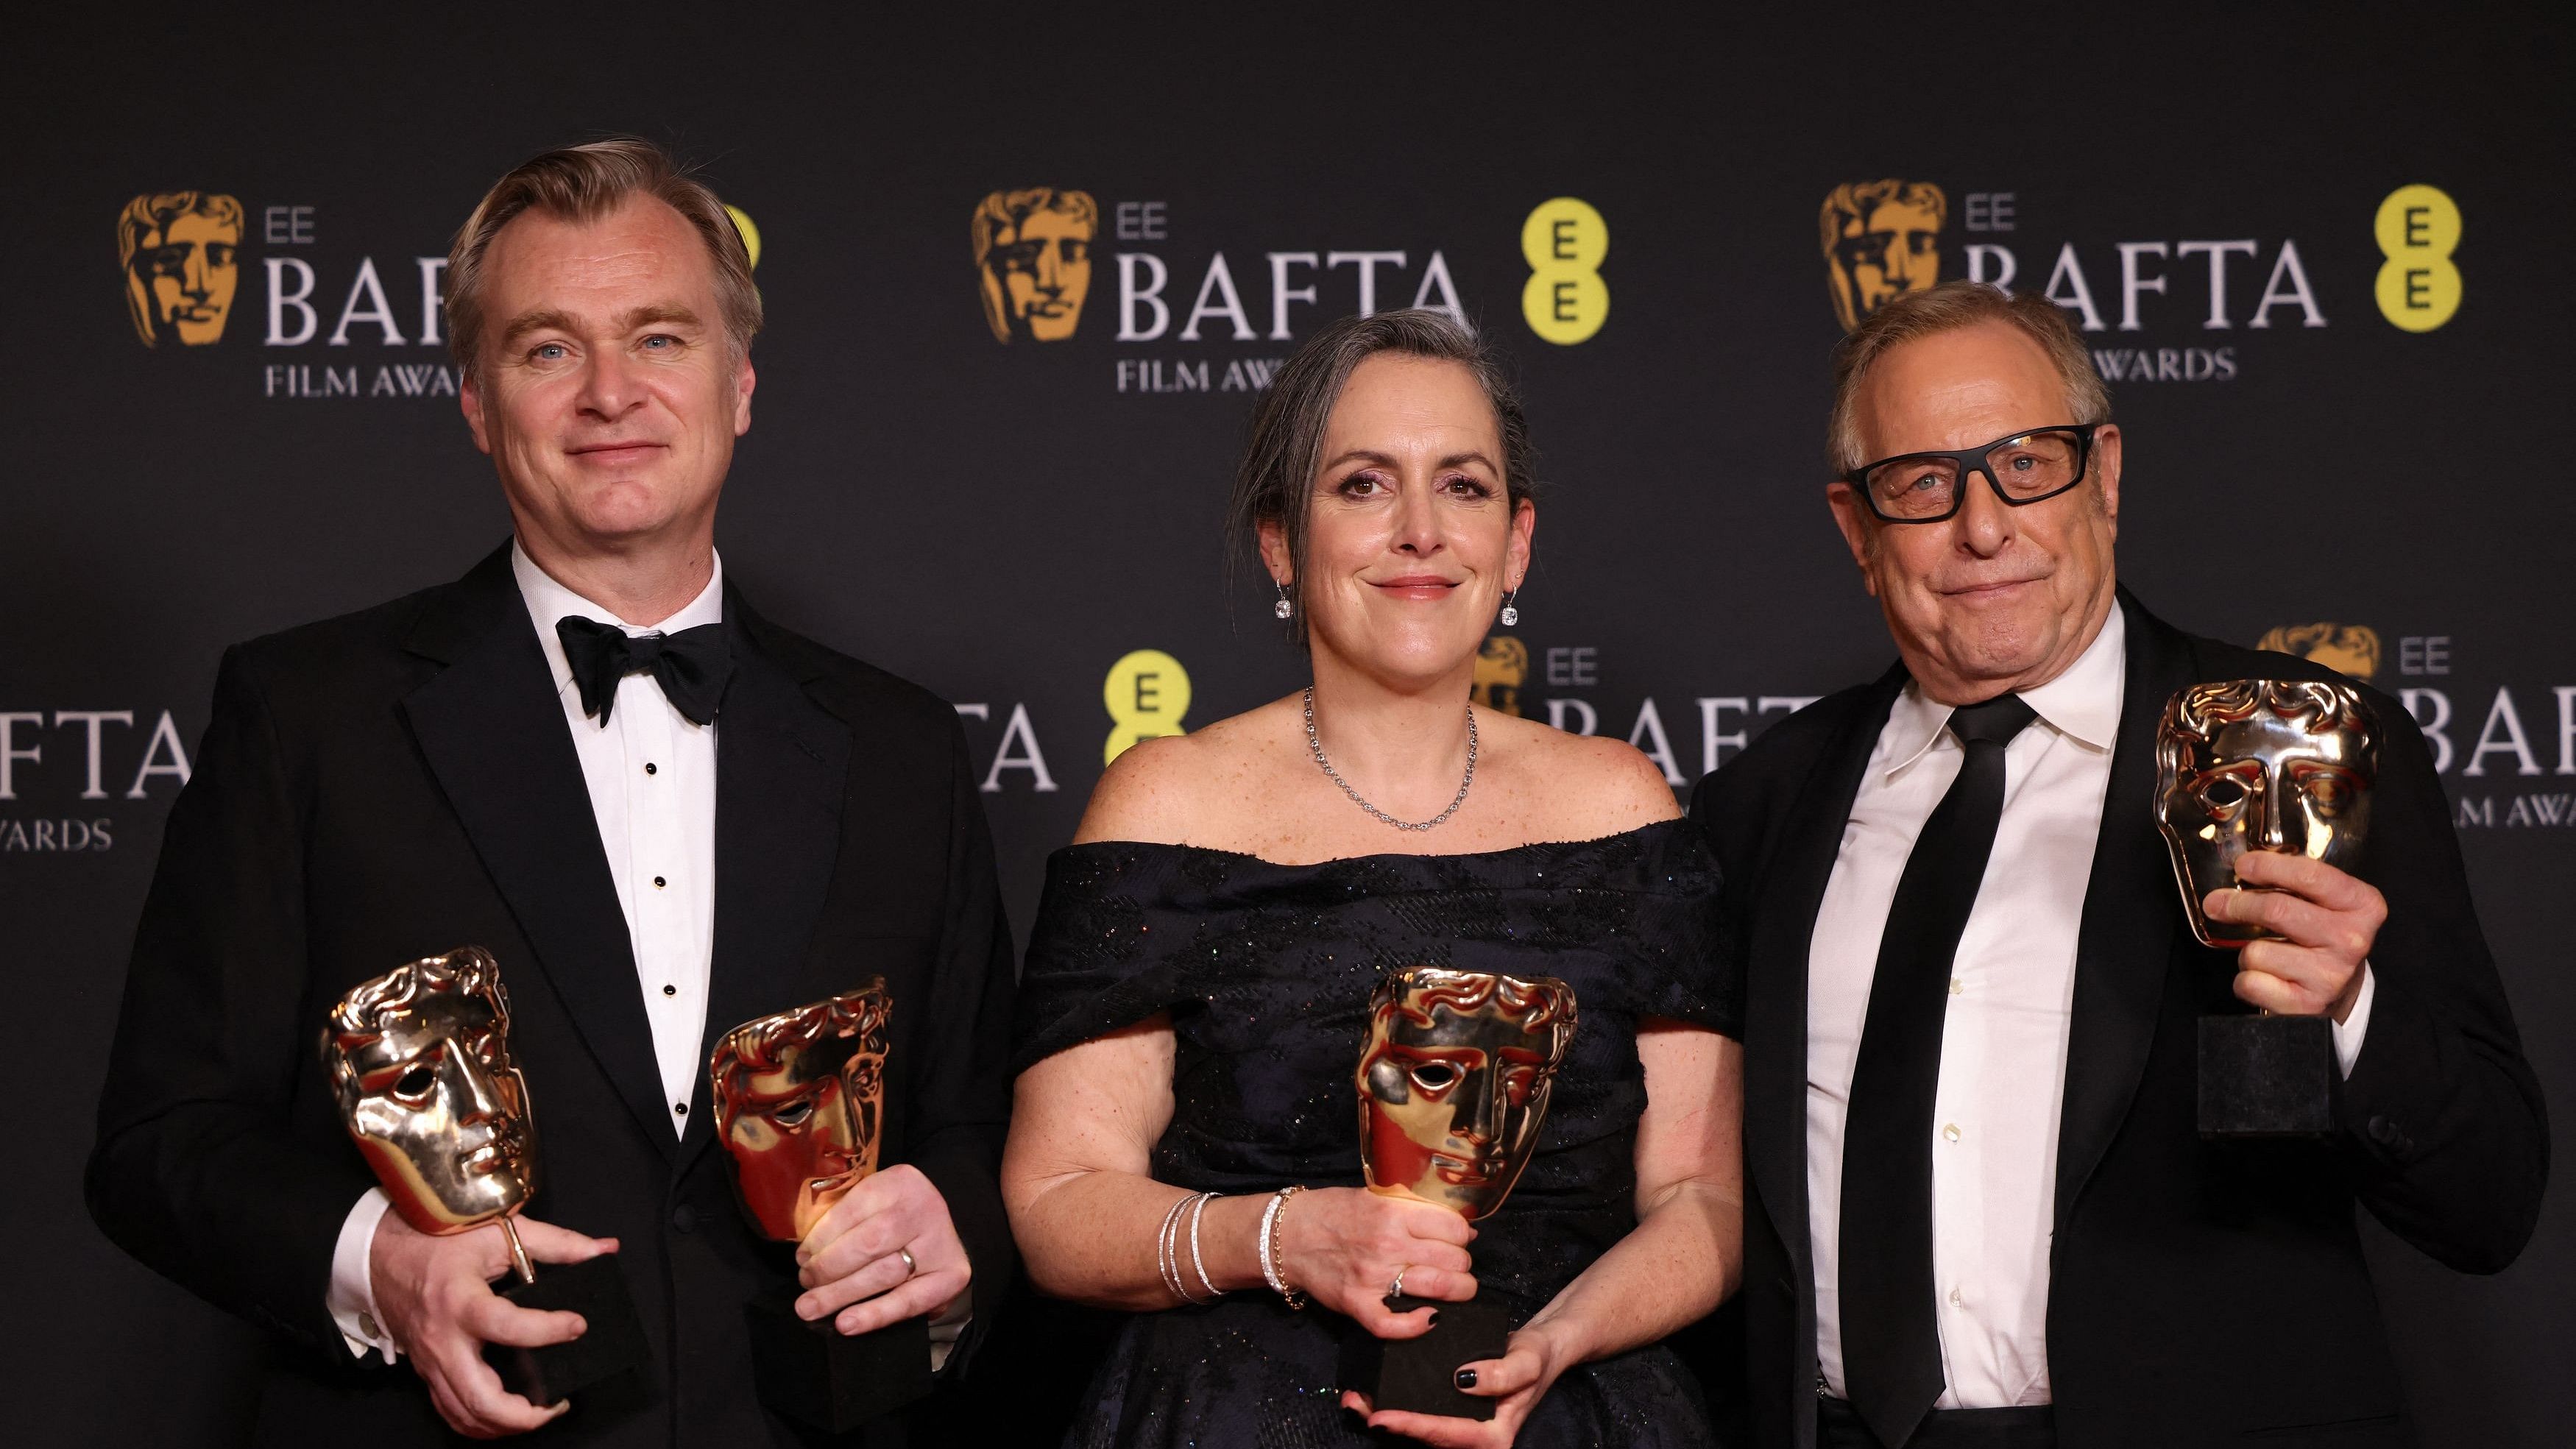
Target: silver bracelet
{"type": "Point", "coordinates": [1196, 1261]}
{"type": "Point", "coordinates": [1165, 1258]}
{"type": "Point", "coordinates": [1268, 1247]}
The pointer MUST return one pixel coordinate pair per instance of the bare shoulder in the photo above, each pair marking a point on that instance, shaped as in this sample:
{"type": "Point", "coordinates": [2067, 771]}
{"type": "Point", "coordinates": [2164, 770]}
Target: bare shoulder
{"type": "Point", "coordinates": [1172, 790]}
{"type": "Point", "coordinates": [1583, 786]}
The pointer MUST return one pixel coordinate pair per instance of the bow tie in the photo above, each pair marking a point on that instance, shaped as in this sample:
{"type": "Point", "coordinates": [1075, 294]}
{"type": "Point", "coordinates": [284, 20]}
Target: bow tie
{"type": "Point", "coordinates": [692, 666]}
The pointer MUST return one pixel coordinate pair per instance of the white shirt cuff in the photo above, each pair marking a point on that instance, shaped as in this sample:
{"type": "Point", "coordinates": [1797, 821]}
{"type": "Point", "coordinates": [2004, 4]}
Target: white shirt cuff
{"type": "Point", "coordinates": [352, 1298]}
{"type": "Point", "coordinates": [946, 1327]}
{"type": "Point", "coordinates": [2348, 1032]}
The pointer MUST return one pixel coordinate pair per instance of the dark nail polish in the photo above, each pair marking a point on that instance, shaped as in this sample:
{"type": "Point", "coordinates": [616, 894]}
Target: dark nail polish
{"type": "Point", "coordinates": [1466, 1378]}
{"type": "Point", "coordinates": [1435, 1318]}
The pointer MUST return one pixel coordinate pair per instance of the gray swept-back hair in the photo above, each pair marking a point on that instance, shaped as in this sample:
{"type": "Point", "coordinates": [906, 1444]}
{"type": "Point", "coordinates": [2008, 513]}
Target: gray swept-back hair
{"type": "Point", "coordinates": [1286, 445]}
{"type": "Point", "coordinates": [1947, 308]}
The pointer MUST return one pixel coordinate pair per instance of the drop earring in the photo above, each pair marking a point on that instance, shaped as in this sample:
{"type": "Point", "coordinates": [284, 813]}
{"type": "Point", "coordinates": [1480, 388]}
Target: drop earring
{"type": "Point", "coordinates": [1283, 608]}
{"type": "Point", "coordinates": [1511, 611]}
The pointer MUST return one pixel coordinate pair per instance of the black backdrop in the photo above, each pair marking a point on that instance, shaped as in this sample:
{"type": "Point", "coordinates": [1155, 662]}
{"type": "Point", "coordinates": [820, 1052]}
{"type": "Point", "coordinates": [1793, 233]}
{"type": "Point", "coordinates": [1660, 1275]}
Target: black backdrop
{"type": "Point", "coordinates": [1006, 522]}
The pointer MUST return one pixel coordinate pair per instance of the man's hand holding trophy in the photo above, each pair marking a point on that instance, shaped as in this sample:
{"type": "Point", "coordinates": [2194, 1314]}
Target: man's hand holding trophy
{"type": "Point", "coordinates": [420, 1060]}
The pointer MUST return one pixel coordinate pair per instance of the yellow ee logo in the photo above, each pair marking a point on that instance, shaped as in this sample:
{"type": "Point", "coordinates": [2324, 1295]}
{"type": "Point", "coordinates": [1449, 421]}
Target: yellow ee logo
{"type": "Point", "coordinates": [1565, 300]}
{"type": "Point", "coordinates": [2418, 227]}
{"type": "Point", "coordinates": [750, 233]}
{"type": "Point", "coordinates": [1146, 694]}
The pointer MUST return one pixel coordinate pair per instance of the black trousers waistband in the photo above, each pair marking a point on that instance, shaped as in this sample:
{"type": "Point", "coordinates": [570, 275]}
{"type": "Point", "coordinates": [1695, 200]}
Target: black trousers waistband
{"type": "Point", "coordinates": [2031, 1426]}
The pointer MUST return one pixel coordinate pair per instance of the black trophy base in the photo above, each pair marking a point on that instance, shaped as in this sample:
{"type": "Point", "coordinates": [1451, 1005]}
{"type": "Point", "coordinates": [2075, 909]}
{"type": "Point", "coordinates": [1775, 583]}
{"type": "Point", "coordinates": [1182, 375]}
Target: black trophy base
{"type": "Point", "coordinates": [2267, 1077]}
{"type": "Point", "coordinates": [829, 1380]}
{"type": "Point", "coordinates": [1420, 1375]}
{"type": "Point", "coordinates": [611, 1345]}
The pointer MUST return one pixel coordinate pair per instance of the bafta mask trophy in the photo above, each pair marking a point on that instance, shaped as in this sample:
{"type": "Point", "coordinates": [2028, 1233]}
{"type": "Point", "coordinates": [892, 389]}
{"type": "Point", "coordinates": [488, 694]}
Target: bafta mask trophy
{"type": "Point", "coordinates": [800, 1107]}
{"type": "Point", "coordinates": [420, 1061]}
{"type": "Point", "coordinates": [2262, 764]}
{"type": "Point", "coordinates": [1453, 1087]}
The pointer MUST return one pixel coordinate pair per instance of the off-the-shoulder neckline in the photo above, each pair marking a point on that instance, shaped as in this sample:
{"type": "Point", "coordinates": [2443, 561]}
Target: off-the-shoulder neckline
{"type": "Point", "coordinates": [1648, 828]}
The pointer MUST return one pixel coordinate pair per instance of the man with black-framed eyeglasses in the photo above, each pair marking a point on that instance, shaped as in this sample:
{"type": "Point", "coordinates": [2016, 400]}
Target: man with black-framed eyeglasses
{"type": "Point", "coordinates": [1980, 1213]}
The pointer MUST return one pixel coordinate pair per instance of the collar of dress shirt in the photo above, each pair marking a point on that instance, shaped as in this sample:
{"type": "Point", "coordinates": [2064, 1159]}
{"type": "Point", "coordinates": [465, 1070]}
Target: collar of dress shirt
{"type": "Point", "coordinates": [549, 601]}
{"type": "Point", "coordinates": [2082, 703]}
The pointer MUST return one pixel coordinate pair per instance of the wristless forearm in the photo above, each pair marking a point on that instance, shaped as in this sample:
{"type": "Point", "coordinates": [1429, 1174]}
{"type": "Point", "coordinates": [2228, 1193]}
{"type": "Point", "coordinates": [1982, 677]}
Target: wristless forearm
{"type": "Point", "coordinates": [1099, 1238]}
{"type": "Point", "coordinates": [1681, 1260]}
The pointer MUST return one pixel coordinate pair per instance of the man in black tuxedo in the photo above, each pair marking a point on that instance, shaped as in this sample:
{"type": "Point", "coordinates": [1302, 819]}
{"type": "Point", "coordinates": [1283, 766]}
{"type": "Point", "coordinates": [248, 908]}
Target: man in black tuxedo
{"type": "Point", "coordinates": [662, 813]}
{"type": "Point", "coordinates": [1981, 1213]}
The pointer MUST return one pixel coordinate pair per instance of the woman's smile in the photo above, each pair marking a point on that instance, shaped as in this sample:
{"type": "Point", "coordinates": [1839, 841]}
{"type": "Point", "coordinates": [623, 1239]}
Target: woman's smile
{"type": "Point", "coordinates": [1415, 586]}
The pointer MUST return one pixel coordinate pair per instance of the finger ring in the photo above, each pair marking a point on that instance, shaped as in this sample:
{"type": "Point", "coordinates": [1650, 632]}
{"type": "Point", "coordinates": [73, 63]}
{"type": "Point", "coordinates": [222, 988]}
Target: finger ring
{"type": "Point", "coordinates": [1398, 1290]}
{"type": "Point", "coordinates": [909, 1266]}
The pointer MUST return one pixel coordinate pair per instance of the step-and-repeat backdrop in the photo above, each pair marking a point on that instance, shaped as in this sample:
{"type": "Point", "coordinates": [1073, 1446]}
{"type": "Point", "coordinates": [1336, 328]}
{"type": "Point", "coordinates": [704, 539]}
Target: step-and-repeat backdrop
{"type": "Point", "coordinates": [1025, 280]}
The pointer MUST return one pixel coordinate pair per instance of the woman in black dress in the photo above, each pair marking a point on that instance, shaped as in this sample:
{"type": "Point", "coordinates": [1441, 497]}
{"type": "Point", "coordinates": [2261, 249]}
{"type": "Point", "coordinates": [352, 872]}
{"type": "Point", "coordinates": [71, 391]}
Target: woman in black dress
{"type": "Point", "coordinates": [1198, 985]}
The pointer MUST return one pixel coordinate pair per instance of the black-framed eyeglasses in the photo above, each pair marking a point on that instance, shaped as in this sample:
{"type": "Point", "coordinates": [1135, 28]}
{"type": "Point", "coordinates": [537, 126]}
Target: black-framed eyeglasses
{"type": "Point", "coordinates": [2026, 468]}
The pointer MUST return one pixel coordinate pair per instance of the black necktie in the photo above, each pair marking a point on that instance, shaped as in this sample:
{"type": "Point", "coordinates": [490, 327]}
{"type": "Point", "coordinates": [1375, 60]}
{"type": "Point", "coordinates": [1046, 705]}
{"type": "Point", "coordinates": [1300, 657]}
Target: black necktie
{"type": "Point", "coordinates": [1891, 1344]}
{"type": "Point", "coordinates": [692, 666]}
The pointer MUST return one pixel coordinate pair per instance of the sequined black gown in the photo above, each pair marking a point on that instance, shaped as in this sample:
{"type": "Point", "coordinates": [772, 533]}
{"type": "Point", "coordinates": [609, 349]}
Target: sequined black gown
{"type": "Point", "coordinates": [1266, 970]}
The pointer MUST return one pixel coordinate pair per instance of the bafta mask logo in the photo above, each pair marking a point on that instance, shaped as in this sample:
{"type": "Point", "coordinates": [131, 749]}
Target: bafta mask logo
{"type": "Point", "coordinates": [420, 1061]}
{"type": "Point", "coordinates": [1882, 238]}
{"type": "Point", "coordinates": [1454, 1082]}
{"type": "Point", "coordinates": [2283, 765]}
{"type": "Point", "coordinates": [800, 1105]}
{"type": "Point", "coordinates": [181, 251]}
{"type": "Point", "coordinates": [1033, 261]}
{"type": "Point", "coordinates": [2351, 650]}
{"type": "Point", "coordinates": [1502, 667]}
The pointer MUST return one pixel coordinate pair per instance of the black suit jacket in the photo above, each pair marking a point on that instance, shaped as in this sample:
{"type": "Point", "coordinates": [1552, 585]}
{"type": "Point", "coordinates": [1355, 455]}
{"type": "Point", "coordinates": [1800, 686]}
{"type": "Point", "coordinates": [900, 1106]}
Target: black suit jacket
{"type": "Point", "coordinates": [2198, 1294]}
{"type": "Point", "coordinates": [399, 782]}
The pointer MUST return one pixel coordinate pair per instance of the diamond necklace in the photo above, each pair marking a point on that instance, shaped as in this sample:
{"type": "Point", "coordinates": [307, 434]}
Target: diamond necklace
{"type": "Point", "coordinates": [1315, 747]}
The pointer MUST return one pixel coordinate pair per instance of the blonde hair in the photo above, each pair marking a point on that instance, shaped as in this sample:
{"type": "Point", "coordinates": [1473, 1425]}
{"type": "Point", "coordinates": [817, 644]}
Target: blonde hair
{"type": "Point", "coordinates": [1948, 308]}
{"type": "Point", "coordinates": [585, 183]}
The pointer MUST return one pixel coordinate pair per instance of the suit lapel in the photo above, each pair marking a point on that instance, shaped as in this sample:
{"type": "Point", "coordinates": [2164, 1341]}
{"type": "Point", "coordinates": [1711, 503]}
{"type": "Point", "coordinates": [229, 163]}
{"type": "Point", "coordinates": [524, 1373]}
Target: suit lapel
{"type": "Point", "coordinates": [2125, 945]}
{"type": "Point", "coordinates": [1775, 1010]}
{"type": "Point", "coordinates": [782, 762]}
{"type": "Point", "coordinates": [492, 730]}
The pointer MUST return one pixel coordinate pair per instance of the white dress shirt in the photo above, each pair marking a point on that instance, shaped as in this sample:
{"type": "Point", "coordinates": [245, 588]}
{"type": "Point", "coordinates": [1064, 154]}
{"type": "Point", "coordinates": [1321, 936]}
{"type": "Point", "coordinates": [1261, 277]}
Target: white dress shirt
{"type": "Point", "coordinates": [651, 775]}
{"type": "Point", "coordinates": [2003, 1040]}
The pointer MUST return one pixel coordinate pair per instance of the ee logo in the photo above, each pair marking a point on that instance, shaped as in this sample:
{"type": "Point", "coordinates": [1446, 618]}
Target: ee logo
{"type": "Point", "coordinates": [1565, 300]}
{"type": "Point", "coordinates": [1146, 694]}
{"type": "Point", "coordinates": [750, 233]}
{"type": "Point", "coordinates": [2418, 227]}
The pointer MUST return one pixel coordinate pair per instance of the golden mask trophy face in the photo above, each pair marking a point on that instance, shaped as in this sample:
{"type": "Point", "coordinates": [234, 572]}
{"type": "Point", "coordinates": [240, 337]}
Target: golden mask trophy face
{"type": "Point", "coordinates": [1454, 1081]}
{"type": "Point", "coordinates": [181, 253]}
{"type": "Point", "coordinates": [800, 1101]}
{"type": "Point", "coordinates": [420, 1060]}
{"type": "Point", "coordinates": [2261, 764]}
{"type": "Point", "coordinates": [1033, 261]}
{"type": "Point", "coordinates": [1881, 239]}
